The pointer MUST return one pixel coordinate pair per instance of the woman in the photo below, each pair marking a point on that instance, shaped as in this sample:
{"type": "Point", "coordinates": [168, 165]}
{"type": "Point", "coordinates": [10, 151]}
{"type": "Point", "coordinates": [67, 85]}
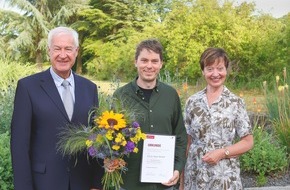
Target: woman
{"type": "Point", "coordinates": [214, 117]}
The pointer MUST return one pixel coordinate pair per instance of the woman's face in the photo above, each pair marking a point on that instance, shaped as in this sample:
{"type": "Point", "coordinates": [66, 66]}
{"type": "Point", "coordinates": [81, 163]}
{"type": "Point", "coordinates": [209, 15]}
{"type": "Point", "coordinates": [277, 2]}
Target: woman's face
{"type": "Point", "coordinates": [215, 74]}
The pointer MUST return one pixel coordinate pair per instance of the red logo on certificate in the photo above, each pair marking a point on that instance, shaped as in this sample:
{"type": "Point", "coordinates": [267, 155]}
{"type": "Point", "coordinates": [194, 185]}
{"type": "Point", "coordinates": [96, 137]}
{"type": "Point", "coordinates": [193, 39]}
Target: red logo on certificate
{"type": "Point", "coordinates": [150, 137]}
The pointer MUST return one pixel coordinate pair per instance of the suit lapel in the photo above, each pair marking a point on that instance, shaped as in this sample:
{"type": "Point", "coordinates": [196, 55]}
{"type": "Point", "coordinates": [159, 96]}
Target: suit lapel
{"type": "Point", "coordinates": [48, 85]}
{"type": "Point", "coordinates": [78, 94]}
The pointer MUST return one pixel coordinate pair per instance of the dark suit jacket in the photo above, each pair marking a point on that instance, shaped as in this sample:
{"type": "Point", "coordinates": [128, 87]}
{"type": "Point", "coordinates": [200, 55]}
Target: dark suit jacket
{"type": "Point", "coordinates": [37, 119]}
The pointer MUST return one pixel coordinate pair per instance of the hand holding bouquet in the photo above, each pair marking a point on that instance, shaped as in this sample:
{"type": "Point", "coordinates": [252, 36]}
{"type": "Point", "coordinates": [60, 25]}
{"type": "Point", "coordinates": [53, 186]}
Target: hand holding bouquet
{"type": "Point", "coordinates": [112, 136]}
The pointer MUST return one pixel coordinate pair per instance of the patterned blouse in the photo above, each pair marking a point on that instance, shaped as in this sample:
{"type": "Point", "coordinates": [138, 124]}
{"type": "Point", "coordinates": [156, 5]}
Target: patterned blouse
{"type": "Point", "coordinates": [212, 128]}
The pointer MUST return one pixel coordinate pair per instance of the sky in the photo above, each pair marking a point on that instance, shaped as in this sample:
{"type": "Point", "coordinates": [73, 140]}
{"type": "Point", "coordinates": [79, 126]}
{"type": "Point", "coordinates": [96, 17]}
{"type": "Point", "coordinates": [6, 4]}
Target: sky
{"type": "Point", "coordinates": [277, 8]}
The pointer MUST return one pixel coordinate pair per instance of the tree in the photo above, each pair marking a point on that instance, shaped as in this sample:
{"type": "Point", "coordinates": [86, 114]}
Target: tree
{"type": "Point", "coordinates": [33, 22]}
{"type": "Point", "coordinates": [192, 26]}
{"type": "Point", "coordinates": [111, 24]}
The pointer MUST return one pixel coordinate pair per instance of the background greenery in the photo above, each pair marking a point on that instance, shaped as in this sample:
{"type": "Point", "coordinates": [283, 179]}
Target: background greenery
{"type": "Point", "coordinates": [258, 44]}
{"type": "Point", "coordinates": [109, 30]}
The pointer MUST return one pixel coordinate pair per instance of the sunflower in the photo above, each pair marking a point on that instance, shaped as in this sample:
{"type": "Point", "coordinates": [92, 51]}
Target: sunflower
{"type": "Point", "coordinates": [111, 120]}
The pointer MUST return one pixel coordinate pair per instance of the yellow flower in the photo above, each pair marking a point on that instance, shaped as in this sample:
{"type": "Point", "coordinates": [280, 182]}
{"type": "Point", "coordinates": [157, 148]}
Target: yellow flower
{"type": "Point", "coordinates": [139, 135]}
{"type": "Point", "coordinates": [124, 143]}
{"type": "Point", "coordinates": [265, 84]}
{"type": "Point", "coordinates": [120, 139]}
{"type": "Point", "coordinates": [286, 86]}
{"type": "Point", "coordinates": [99, 138]}
{"type": "Point", "coordinates": [277, 78]}
{"type": "Point", "coordinates": [115, 147]}
{"type": "Point", "coordinates": [135, 150]}
{"type": "Point", "coordinates": [142, 135]}
{"type": "Point", "coordinates": [89, 143]}
{"type": "Point", "coordinates": [111, 120]}
{"type": "Point", "coordinates": [109, 135]}
{"type": "Point", "coordinates": [281, 88]}
{"type": "Point", "coordinates": [134, 139]}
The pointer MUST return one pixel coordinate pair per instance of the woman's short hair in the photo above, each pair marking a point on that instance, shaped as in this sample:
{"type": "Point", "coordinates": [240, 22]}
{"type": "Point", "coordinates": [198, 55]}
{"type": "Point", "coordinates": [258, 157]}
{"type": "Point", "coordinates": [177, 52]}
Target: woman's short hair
{"type": "Point", "coordinates": [210, 55]}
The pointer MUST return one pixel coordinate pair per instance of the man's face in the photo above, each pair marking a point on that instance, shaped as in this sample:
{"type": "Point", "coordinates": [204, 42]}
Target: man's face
{"type": "Point", "coordinates": [62, 54]}
{"type": "Point", "coordinates": [148, 65]}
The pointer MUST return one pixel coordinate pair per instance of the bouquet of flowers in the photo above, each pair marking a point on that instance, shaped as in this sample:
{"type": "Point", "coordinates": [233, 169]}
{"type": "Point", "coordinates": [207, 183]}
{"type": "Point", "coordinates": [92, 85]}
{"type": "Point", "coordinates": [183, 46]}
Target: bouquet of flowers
{"type": "Point", "coordinates": [113, 135]}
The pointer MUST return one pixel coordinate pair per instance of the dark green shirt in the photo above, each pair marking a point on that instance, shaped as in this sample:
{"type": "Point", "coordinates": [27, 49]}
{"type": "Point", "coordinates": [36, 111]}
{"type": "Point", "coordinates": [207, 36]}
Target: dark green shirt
{"type": "Point", "coordinates": [162, 115]}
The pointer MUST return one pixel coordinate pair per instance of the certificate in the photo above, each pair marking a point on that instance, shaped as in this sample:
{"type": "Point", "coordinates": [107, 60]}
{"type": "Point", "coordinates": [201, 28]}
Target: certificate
{"type": "Point", "coordinates": [157, 158]}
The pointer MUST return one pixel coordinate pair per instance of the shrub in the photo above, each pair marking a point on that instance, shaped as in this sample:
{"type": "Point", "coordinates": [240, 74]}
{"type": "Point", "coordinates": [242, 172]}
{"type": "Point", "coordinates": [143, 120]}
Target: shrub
{"type": "Point", "coordinates": [10, 72]}
{"type": "Point", "coordinates": [267, 156]}
{"type": "Point", "coordinates": [282, 129]}
{"type": "Point", "coordinates": [6, 177]}
{"type": "Point", "coordinates": [6, 108]}
{"type": "Point", "coordinates": [278, 105]}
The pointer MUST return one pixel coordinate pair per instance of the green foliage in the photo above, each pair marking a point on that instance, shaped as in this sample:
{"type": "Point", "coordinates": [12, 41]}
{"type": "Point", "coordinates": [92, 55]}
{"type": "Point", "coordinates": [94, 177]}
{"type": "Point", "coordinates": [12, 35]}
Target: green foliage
{"type": "Point", "coordinates": [267, 156]}
{"type": "Point", "coordinates": [278, 105]}
{"type": "Point", "coordinates": [261, 179]}
{"type": "Point", "coordinates": [117, 28]}
{"type": "Point", "coordinates": [282, 129]}
{"type": "Point", "coordinates": [72, 140]}
{"type": "Point", "coordinates": [6, 175]}
{"type": "Point", "coordinates": [189, 29]}
{"type": "Point", "coordinates": [30, 26]}
{"type": "Point", "coordinates": [6, 108]}
{"type": "Point", "coordinates": [116, 17]}
{"type": "Point", "coordinates": [101, 65]}
{"type": "Point", "coordinates": [258, 45]}
{"type": "Point", "coordinates": [185, 30]}
{"type": "Point", "coordinates": [10, 72]}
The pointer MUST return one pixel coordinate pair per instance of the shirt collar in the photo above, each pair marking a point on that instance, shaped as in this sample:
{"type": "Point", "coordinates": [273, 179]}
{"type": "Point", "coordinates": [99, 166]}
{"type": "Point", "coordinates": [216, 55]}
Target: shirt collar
{"type": "Point", "coordinates": [137, 89]}
{"type": "Point", "coordinates": [58, 80]}
{"type": "Point", "coordinates": [225, 91]}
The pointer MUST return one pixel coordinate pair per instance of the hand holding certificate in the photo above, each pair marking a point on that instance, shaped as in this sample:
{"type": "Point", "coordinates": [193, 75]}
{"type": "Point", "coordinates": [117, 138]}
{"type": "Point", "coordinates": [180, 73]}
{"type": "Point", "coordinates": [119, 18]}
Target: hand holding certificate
{"type": "Point", "coordinates": [157, 158]}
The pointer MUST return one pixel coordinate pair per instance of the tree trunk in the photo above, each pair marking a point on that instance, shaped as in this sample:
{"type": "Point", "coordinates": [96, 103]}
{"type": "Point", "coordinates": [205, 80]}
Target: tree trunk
{"type": "Point", "coordinates": [79, 66]}
{"type": "Point", "coordinates": [39, 59]}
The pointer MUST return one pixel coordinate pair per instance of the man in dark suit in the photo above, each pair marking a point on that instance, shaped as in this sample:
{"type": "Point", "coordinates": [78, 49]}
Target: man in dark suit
{"type": "Point", "coordinates": [40, 114]}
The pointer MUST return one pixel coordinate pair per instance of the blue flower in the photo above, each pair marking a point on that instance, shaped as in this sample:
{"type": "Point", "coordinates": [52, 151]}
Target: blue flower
{"type": "Point", "coordinates": [129, 146]}
{"type": "Point", "coordinates": [92, 151]}
{"type": "Point", "coordinates": [135, 124]}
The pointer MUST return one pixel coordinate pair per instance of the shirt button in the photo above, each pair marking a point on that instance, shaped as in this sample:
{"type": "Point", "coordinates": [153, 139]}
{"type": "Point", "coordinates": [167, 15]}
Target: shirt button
{"type": "Point", "coordinates": [151, 126]}
{"type": "Point", "coordinates": [150, 110]}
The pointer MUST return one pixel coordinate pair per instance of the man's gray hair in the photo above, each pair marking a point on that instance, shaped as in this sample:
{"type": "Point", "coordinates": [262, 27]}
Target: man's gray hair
{"type": "Point", "coordinates": [65, 30]}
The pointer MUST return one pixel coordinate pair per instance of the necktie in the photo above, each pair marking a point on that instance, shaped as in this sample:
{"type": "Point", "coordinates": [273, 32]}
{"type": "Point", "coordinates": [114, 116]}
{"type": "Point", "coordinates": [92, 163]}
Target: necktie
{"type": "Point", "coordinates": [67, 99]}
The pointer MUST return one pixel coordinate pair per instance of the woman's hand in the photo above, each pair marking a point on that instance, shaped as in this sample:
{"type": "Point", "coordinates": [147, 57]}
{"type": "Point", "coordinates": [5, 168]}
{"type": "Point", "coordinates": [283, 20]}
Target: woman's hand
{"type": "Point", "coordinates": [213, 157]}
{"type": "Point", "coordinates": [173, 180]}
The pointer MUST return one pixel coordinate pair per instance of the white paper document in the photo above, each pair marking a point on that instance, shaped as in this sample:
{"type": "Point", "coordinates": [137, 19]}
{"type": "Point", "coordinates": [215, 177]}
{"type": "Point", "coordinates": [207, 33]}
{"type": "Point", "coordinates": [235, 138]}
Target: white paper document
{"type": "Point", "coordinates": [157, 158]}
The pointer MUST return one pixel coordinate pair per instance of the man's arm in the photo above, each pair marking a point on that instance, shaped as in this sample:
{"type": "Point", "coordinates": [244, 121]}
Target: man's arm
{"type": "Point", "coordinates": [20, 139]}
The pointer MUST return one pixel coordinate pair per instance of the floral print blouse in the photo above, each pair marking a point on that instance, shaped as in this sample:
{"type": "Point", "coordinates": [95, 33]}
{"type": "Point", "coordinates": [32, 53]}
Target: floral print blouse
{"type": "Point", "coordinates": [212, 128]}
